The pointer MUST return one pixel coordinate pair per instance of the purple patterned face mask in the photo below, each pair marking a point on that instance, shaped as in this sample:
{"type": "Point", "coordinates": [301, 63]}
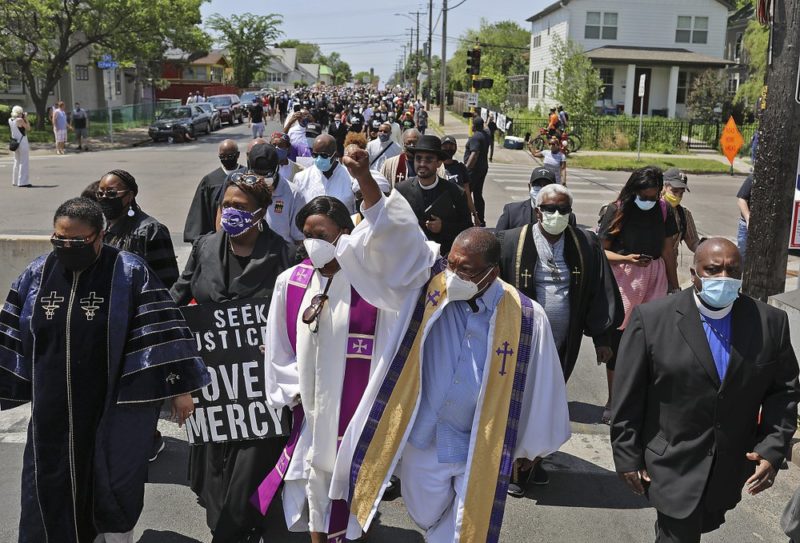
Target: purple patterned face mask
{"type": "Point", "coordinates": [236, 222]}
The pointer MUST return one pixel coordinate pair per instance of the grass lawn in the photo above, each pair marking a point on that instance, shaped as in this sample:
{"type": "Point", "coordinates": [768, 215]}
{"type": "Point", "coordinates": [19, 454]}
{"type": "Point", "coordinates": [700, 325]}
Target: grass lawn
{"type": "Point", "coordinates": [611, 163]}
{"type": "Point", "coordinates": [96, 130]}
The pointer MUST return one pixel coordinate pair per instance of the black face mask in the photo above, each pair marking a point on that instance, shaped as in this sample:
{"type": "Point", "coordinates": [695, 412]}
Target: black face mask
{"type": "Point", "coordinates": [449, 153]}
{"type": "Point", "coordinates": [230, 164]}
{"type": "Point", "coordinates": [112, 207]}
{"type": "Point", "coordinates": [76, 258]}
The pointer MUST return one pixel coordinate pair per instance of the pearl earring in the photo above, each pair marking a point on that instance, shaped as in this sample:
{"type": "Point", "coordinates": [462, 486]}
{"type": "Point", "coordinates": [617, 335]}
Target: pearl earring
{"type": "Point", "coordinates": [131, 212]}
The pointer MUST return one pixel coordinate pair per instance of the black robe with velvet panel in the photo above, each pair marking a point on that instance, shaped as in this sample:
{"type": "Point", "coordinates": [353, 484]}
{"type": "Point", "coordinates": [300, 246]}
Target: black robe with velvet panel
{"type": "Point", "coordinates": [94, 352]}
{"type": "Point", "coordinates": [595, 306]}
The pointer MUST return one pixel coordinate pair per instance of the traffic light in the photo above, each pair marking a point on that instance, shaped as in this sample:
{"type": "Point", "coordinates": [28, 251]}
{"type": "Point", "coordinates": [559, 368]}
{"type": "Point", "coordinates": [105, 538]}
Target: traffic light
{"type": "Point", "coordinates": [484, 83]}
{"type": "Point", "coordinates": [474, 61]}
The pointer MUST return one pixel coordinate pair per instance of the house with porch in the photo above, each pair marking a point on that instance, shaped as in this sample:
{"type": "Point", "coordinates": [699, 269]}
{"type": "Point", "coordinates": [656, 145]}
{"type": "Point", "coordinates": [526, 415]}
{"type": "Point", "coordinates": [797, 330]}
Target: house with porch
{"type": "Point", "coordinates": [206, 72]}
{"type": "Point", "coordinates": [667, 42]}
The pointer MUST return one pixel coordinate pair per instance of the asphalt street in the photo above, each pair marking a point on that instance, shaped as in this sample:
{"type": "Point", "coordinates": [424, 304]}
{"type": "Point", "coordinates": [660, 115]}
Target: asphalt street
{"type": "Point", "coordinates": [585, 501]}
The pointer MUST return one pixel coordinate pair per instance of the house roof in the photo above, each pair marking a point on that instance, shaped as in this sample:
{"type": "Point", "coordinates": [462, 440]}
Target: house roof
{"type": "Point", "coordinates": [325, 70]}
{"type": "Point", "coordinates": [311, 68]}
{"type": "Point", "coordinates": [561, 3]}
{"type": "Point", "coordinates": [741, 16]}
{"type": "Point", "coordinates": [653, 55]}
{"type": "Point", "coordinates": [213, 58]}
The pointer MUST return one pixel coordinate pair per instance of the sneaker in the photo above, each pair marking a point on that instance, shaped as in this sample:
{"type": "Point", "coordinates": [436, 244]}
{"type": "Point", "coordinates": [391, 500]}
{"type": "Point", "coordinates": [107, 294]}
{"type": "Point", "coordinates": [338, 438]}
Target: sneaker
{"type": "Point", "coordinates": [540, 476]}
{"type": "Point", "coordinates": [516, 487]}
{"type": "Point", "coordinates": [516, 490]}
{"type": "Point", "coordinates": [392, 491]}
{"type": "Point", "coordinates": [158, 446]}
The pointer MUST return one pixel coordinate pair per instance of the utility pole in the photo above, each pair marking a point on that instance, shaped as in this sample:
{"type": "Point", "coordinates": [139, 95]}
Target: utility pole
{"type": "Point", "coordinates": [430, 54]}
{"type": "Point", "coordinates": [443, 67]}
{"type": "Point", "coordinates": [776, 168]}
{"type": "Point", "coordinates": [416, 57]}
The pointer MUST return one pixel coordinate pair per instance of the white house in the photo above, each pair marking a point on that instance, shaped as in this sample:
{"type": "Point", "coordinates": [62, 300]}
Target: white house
{"type": "Point", "coordinates": [669, 41]}
{"type": "Point", "coordinates": [284, 70]}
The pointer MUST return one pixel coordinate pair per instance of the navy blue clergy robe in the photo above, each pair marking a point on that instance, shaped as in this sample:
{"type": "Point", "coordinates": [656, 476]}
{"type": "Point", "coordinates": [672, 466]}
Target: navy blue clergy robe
{"type": "Point", "coordinates": [94, 352]}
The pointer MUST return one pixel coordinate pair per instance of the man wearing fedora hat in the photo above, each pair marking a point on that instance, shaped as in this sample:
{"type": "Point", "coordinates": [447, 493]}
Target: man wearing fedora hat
{"type": "Point", "coordinates": [440, 206]}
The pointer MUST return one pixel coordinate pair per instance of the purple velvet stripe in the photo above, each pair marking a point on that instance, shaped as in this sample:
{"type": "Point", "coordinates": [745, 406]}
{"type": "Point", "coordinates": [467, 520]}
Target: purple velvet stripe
{"type": "Point", "coordinates": [389, 382]}
{"type": "Point", "coordinates": [363, 319]}
{"type": "Point", "coordinates": [294, 297]}
{"type": "Point", "coordinates": [514, 412]}
{"type": "Point", "coordinates": [269, 486]}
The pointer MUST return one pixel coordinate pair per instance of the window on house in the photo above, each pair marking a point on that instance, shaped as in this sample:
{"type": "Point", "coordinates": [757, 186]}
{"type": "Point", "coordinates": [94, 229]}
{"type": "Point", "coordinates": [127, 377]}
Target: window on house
{"type": "Point", "coordinates": [544, 83]}
{"type": "Point", "coordinates": [600, 25]}
{"type": "Point", "coordinates": [217, 73]}
{"type": "Point", "coordinates": [10, 79]}
{"type": "Point", "coordinates": [81, 72]}
{"type": "Point", "coordinates": [535, 84]}
{"type": "Point", "coordinates": [118, 81]}
{"type": "Point", "coordinates": [607, 77]}
{"type": "Point", "coordinates": [685, 80]}
{"type": "Point", "coordinates": [537, 41]}
{"type": "Point", "coordinates": [733, 83]}
{"type": "Point", "coordinates": [737, 48]}
{"type": "Point", "coordinates": [691, 29]}
{"type": "Point", "coordinates": [275, 77]}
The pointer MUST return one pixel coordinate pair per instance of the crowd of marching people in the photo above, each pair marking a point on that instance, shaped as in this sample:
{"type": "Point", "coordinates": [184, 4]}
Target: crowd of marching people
{"type": "Point", "coordinates": [417, 352]}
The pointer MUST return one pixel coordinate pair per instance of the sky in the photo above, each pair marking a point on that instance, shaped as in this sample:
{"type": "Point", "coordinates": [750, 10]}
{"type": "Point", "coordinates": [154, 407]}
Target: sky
{"type": "Point", "coordinates": [367, 34]}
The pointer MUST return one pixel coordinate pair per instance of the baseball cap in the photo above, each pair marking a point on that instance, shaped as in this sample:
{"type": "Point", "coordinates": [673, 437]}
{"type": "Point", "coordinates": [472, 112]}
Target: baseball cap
{"type": "Point", "coordinates": [676, 178]}
{"type": "Point", "coordinates": [449, 139]}
{"type": "Point", "coordinates": [543, 173]}
{"type": "Point", "coordinates": [313, 130]}
{"type": "Point", "coordinates": [263, 159]}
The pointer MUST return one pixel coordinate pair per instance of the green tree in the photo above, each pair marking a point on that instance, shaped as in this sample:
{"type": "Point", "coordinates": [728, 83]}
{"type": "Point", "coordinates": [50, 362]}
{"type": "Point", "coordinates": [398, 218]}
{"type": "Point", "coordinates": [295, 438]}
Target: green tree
{"type": "Point", "coordinates": [247, 38]}
{"type": "Point", "coordinates": [341, 69]}
{"type": "Point", "coordinates": [573, 81]}
{"type": "Point", "coordinates": [709, 91]}
{"type": "Point", "coordinates": [754, 45]}
{"type": "Point", "coordinates": [41, 36]}
{"type": "Point", "coordinates": [306, 52]}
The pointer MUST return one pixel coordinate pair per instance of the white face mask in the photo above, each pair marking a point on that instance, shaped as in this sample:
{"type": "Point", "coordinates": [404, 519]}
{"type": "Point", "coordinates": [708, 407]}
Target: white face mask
{"type": "Point", "coordinates": [320, 251]}
{"type": "Point", "coordinates": [554, 223]}
{"type": "Point", "coordinates": [459, 289]}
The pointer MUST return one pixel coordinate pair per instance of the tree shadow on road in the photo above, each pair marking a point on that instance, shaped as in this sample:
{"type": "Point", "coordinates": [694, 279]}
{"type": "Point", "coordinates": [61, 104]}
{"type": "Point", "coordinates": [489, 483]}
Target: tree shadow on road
{"type": "Point", "coordinates": [574, 482]}
{"type": "Point", "coordinates": [163, 536]}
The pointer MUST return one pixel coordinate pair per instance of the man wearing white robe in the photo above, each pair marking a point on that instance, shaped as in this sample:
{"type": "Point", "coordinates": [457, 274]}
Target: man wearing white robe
{"type": "Point", "coordinates": [389, 263]}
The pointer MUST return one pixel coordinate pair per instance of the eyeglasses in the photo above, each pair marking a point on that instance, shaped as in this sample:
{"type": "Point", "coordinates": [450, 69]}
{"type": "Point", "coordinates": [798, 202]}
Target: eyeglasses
{"type": "Point", "coordinates": [425, 159]}
{"type": "Point", "coordinates": [312, 312]}
{"type": "Point", "coordinates": [322, 155]}
{"type": "Point", "coordinates": [465, 276]}
{"type": "Point", "coordinates": [60, 242]}
{"type": "Point", "coordinates": [553, 269]}
{"type": "Point", "coordinates": [109, 194]}
{"type": "Point", "coordinates": [552, 208]}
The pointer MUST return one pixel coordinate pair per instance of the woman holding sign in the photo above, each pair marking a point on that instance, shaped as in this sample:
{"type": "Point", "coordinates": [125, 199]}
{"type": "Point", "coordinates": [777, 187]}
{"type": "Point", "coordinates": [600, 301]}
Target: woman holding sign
{"type": "Point", "coordinates": [240, 261]}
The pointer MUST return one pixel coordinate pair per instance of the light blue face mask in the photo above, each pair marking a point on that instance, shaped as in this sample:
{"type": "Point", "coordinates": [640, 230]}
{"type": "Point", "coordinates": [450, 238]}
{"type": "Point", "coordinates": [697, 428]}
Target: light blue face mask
{"type": "Point", "coordinates": [324, 164]}
{"type": "Point", "coordinates": [534, 194]}
{"type": "Point", "coordinates": [645, 205]}
{"type": "Point", "coordinates": [719, 292]}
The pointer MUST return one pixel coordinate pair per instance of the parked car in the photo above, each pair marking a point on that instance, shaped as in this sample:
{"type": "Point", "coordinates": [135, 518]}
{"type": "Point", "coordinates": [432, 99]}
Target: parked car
{"type": "Point", "coordinates": [213, 112]}
{"type": "Point", "coordinates": [229, 106]}
{"type": "Point", "coordinates": [174, 122]}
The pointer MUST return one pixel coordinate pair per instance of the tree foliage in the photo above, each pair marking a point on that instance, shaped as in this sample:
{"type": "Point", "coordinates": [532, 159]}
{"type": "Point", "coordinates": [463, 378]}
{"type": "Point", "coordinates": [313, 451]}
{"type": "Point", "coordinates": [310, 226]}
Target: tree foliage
{"type": "Point", "coordinates": [41, 36]}
{"type": "Point", "coordinates": [504, 53]}
{"type": "Point", "coordinates": [754, 45]}
{"type": "Point", "coordinates": [341, 69]}
{"type": "Point", "coordinates": [573, 81]}
{"type": "Point", "coordinates": [247, 38]}
{"type": "Point", "coordinates": [709, 91]}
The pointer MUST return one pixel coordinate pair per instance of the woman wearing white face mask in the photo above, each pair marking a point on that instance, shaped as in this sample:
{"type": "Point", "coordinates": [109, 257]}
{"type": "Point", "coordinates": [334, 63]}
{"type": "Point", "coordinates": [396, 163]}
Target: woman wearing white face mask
{"type": "Point", "coordinates": [323, 342]}
{"type": "Point", "coordinates": [637, 231]}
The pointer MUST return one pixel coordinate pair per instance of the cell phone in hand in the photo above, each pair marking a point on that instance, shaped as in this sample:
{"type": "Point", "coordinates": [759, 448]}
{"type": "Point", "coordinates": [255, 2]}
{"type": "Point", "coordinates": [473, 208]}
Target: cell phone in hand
{"type": "Point", "coordinates": [645, 257]}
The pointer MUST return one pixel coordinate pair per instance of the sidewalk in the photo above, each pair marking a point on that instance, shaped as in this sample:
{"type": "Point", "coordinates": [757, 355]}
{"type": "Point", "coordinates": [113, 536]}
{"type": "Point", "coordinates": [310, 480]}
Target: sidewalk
{"type": "Point", "coordinates": [455, 126]}
{"type": "Point", "coordinates": [122, 140]}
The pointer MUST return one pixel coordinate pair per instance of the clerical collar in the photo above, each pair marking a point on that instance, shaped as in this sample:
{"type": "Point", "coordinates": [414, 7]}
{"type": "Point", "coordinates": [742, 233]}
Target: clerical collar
{"type": "Point", "coordinates": [711, 313]}
{"type": "Point", "coordinates": [330, 172]}
{"type": "Point", "coordinates": [429, 187]}
{"type": "Point", "coordinates": [228, 172]}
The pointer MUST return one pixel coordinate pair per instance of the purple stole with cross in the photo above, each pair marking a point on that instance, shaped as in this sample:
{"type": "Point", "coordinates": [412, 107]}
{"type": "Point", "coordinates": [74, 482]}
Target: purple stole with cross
{"type": "Point", "coordinates": [360, 346]}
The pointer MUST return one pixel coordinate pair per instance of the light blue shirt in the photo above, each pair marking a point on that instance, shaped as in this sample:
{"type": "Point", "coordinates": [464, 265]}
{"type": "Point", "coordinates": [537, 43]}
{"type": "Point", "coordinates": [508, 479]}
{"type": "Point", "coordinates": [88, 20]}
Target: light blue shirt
{"type": "Point", "coordinates": [452, 372]}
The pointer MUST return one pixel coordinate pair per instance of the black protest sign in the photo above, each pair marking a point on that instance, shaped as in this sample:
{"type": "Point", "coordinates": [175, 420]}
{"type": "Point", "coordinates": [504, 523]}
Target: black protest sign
{"type": "Point", "coordinates": [233, 406]}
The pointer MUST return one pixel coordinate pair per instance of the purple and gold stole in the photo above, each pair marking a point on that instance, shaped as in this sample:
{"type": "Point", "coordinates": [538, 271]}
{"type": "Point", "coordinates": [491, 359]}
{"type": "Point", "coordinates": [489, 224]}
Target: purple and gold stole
{"type": "Point", "coordinates": [489, 469]}
{"type": "Point", "coordinates": [360, 346]}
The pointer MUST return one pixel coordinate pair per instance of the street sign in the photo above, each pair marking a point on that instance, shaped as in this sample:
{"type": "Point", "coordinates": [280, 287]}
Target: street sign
{"type": "Point", "coordinates": [472, 99]}
{"type": "Point", "coordinates": [731, 140]}
{"type": "Point", "coordinates": [106, 62]}
{"type": "Point", "coordinates": [641, 85]}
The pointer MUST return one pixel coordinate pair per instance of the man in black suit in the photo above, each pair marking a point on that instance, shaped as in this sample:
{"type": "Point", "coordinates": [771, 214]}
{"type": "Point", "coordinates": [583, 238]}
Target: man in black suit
{"type": "Point", "coordinates": [440, 206]}
{"type": "Point", "coordinates": [518, 214]}
{"type": "Point", "coordinates": [694, 370]}
{"type": "Point", "coordinates": [338, 129]}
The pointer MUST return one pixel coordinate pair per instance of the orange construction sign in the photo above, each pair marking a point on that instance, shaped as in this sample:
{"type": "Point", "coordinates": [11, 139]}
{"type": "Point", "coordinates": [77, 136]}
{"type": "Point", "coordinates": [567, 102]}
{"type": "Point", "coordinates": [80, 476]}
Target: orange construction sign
{"type": "Point", "coordinates": [731, 140]}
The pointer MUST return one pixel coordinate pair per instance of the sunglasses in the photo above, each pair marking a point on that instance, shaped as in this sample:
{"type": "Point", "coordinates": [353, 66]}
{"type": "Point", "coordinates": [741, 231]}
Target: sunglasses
{"type": "Point", "coordinates": [109, 194]}
{"type": "Point", "coordinates": [425, 159]}
{"type": "Point", "coordinates": [322, 155]}
{"type": "Point", "coordinates": [232, 156]}
{"type": "Point", "coordinates": [246, 178]}
{"type": "Point", "coordinates": [553, 269]}
{"type": "Point", "coordinates": [551, 208]}
{"type": "Point", "coordinates": [60, 243]}
{"type": "Point", "coordinates": [312, 312]}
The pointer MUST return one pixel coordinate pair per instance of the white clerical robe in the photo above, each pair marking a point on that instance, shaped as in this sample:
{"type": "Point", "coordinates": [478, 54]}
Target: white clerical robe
{"type": "Point", "coordinates": [389, 263]}
{"type": "Point", "coordinates": [312, 183]}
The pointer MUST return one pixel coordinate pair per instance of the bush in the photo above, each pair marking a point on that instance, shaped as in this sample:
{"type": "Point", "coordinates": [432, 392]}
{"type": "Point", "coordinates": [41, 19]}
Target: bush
{"type": "Point", "coordinates": [5, 114]}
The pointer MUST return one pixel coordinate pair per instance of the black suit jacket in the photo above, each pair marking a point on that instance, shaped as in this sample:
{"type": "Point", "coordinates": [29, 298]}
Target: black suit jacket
{"type": "Point", "coordinates": [339, 134]}
{"type": "Point", "coordinates": [673, 416]}
{"type": "Point", "coordinates": [518, 214]}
